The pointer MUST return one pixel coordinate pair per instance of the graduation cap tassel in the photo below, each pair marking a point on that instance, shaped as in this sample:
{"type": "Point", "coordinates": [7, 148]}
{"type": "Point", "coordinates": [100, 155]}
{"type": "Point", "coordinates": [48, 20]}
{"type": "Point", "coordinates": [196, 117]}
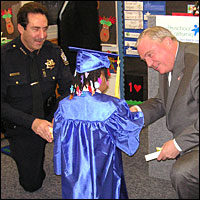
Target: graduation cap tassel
{"type": "Point", "coordinates": [117, 79]}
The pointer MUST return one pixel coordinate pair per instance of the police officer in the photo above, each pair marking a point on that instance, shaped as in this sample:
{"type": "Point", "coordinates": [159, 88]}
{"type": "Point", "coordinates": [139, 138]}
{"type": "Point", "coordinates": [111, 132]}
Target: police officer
{"type": "Point", "coordinates": [31, 69]}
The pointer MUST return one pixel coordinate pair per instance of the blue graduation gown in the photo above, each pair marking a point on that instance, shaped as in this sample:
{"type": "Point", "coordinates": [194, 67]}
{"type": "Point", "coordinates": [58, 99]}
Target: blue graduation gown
{"type": "Point", "coordinates": [89, 134]}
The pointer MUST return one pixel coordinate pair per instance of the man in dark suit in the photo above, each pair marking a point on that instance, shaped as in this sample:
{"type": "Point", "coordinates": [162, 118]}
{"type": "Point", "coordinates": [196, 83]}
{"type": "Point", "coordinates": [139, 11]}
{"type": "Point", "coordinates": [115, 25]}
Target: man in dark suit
{"type": "Point", "coordinates": [178, 99]}
{"type": "Point", "coordinates": [78, 26]}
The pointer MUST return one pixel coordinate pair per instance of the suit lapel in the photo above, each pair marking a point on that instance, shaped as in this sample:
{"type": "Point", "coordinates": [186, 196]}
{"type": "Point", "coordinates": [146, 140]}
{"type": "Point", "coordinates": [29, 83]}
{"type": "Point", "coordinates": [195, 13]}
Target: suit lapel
{"type": "Point", "coordinates": [176, 77]}
{"type": "Point", "coordinates": [175, 82]}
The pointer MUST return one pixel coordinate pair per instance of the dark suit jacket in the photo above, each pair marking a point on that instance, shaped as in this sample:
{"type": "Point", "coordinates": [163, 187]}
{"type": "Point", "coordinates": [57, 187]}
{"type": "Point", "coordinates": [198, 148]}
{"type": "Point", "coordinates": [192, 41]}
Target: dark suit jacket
{"type": "Point", "coordinates": [180, 102]}
{"type": "Point", "coordinates": [79, 27]}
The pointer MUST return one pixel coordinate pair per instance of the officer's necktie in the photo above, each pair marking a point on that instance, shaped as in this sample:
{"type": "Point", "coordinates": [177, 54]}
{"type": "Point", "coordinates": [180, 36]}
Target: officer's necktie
{"type": "Point", "coordinates": [38, 110]}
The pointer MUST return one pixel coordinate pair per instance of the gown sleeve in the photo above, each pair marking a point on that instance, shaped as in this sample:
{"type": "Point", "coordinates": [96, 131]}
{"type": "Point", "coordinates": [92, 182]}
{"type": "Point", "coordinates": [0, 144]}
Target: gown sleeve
{"type": "Point", "coordinates": [58, 128]}
{"type": "Point", "coordinates": [125, 127]}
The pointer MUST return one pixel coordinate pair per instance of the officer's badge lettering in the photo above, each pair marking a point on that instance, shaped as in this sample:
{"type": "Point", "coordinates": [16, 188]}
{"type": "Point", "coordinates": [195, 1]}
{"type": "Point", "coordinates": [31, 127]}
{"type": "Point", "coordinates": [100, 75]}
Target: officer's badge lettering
{"type": "Point", "coordinates": [50, 64]}
{"type": "Point", "coordinates": [64, 58]}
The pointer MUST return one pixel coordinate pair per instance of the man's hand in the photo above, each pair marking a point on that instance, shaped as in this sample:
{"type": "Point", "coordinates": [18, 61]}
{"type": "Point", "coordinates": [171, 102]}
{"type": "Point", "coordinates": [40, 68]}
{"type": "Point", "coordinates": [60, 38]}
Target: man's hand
{"type": "Point", "coordinates": [41, 127]}
{"type": "Point", "coordinates": [169, 151]}
{"type": "Point", "coordinates": [133, 109]}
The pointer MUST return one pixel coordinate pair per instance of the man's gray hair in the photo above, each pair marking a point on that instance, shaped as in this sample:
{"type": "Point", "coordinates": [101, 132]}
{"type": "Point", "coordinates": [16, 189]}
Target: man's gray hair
{"type": "Point", "coordinates": [156, 33]}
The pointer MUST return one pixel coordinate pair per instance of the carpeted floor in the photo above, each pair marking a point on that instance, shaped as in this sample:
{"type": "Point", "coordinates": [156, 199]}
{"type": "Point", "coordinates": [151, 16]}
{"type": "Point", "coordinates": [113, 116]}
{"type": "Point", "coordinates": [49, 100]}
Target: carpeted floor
{"type": "Point", "coordinates": [139, 184]}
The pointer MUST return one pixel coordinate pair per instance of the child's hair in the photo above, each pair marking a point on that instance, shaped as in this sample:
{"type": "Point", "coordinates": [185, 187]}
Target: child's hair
{"type": "Point", "coordinates": [88, 80]}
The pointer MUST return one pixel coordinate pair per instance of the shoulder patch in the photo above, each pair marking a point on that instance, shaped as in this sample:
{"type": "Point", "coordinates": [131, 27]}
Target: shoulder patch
{"type": "Point", "coordinates": [64, 58]}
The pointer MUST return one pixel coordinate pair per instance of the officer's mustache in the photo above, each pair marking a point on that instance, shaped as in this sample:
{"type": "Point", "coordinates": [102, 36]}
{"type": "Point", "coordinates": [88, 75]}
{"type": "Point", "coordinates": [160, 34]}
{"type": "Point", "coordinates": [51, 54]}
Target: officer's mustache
{"type": "Point", "coordinates": [40, 40]}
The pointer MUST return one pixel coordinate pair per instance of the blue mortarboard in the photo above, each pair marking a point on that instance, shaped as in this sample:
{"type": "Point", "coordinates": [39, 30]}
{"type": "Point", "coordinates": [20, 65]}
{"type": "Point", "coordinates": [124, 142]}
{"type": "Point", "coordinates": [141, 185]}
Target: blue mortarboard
{"type": "Point", "coordinates": [88, 60]}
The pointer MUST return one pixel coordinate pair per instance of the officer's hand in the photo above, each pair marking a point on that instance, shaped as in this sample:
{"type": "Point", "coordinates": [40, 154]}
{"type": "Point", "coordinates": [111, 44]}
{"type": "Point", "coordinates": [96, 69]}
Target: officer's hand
{"type": "Point", "coordinates": [169, 151]}
{"type": "Point", "coordinates": [41, 127]}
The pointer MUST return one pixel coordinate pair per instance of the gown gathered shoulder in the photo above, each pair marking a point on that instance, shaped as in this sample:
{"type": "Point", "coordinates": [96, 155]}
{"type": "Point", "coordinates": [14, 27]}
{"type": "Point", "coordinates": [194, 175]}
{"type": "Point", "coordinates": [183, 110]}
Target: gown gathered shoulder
{"type": "Point", "coordinates": [89, 134]}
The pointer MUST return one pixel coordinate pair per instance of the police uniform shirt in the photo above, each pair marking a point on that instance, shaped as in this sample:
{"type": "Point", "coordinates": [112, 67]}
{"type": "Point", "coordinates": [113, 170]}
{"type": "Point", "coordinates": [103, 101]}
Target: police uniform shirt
{"type": "Point", "coordinates": [16, 92]}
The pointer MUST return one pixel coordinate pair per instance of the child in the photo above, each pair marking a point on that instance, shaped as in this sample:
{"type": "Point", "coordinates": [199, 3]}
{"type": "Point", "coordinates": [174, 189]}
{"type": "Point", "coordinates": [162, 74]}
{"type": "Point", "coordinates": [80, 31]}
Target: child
{"type": "Point", "coordinates": [90, 130]}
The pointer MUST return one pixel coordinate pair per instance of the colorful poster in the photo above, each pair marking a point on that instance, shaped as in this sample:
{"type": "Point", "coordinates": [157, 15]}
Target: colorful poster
{"type": "Point", "coordinates": [184, 28]}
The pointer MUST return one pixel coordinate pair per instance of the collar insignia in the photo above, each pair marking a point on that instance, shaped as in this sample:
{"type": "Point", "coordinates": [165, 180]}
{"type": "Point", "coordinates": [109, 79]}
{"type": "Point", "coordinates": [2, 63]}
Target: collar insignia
{"type": "Point", "coordinates": [24, 52]}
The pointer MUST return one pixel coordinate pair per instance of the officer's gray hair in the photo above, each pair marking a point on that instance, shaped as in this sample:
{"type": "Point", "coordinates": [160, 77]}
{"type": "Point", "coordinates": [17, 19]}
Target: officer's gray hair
{"type": "Point", "coordinates": [155, 33]}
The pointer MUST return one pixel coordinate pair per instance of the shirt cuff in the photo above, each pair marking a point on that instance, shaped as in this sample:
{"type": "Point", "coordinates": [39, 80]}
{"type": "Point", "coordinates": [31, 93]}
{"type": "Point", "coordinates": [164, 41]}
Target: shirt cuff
{"type": "Point", "coordinates": [176, 145]}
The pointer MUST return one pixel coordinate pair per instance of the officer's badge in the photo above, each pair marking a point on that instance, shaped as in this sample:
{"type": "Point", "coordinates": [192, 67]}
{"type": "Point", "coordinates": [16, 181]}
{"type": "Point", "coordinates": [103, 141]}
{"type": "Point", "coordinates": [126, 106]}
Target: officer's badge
{"type": "Point", "coordinates": [50, 64]}
{"type": "Point", "coordinates": [64, 58]}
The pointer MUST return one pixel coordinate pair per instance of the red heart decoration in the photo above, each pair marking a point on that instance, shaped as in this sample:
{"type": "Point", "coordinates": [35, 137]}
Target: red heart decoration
{"type": "Point", "coordinates": [137, 87]}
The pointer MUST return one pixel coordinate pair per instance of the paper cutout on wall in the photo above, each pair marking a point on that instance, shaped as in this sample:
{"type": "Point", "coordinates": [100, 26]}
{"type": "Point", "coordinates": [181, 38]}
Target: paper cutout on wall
{"type": "Point", "coordinates": [137, 87]}
{"type": "Point", "coordinates": [7, 15]}
{"type": "Point", "coordinates": [106, 22]}
{"type": "Point", "coordinates": [134, 87]}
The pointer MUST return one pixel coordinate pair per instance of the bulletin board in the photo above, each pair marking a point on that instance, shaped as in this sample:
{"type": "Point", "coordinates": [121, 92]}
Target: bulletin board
{"type": "Point", "coordinates": [135, 21]}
